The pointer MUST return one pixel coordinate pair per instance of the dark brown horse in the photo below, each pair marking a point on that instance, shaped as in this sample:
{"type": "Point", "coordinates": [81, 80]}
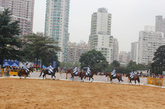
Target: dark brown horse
{"type": "Point", "coordinates": [79, 74]}
{"type": "Point", "coordinates": [118, 76]}
{"type": "Point", "coordinates": [90, 75]}
{"type": "Point", "coordinates": [136, 77]}
{"type": "Point", "coordinates": [45, 72]}
{"type": "Point", "coordinates": [22, 72]}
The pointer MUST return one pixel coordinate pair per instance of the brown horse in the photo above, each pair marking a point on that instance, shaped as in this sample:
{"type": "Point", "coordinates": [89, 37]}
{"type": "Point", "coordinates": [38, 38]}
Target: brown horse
{"type": "Point", "coordinates": [22, 72]}
{"type": "Point", "coordinates": [90, 75]}
{"type": "Point", "coordinates": [136, 77]}
{"type": "Point", "coordinates": [45, 72]}
{"type": "Point", "coordinates": [73, 74]}
{"type": "Point", "coordinates": [118, 76]}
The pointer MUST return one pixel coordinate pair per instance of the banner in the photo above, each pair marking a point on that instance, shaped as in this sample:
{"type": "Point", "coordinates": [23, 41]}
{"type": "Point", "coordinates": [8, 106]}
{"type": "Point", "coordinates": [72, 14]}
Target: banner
{"type": "Point", "coordinates": [10, 63]}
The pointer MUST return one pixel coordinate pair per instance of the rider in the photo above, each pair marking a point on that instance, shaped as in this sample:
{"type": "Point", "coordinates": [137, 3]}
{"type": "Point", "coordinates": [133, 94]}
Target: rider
{"type": "Point", "coordinates": [88, 71]}
{"type": "Point", "coordinates": [50, 69]}
{"type": "Point", "coordinates": [26, 67]}
{"type": "Point", "coordinates": [75, 71]}
{"type": "Point", "coordinates": [132, 74]}
{"type": "Point", "coordinates": [113, 72]}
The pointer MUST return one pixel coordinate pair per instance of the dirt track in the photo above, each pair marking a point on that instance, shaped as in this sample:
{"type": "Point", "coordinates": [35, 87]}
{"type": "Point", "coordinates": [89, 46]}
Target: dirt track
{"type": "Point", "coordinates": [49, 94]}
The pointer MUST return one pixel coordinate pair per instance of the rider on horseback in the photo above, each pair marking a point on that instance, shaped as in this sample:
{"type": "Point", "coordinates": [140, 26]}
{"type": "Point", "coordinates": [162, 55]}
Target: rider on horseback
{"type": "Point", "coordinates": [88, 71]}
{"type": "Point", "coordinates": [26, 67]}
{"type": "Point", "coordinates": [114, 72]}
{"type": "Point", "coordinates": [50, 69]}
{"type": "Point", "coordinates": [132, 74]}
{"type": "Point", "coordinates": [75, 71]}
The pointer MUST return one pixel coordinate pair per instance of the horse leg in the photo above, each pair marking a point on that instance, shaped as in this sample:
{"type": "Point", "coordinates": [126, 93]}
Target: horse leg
{"type": "Point", "coordinates": [135, 81]}
{"type": "Point", "coordinates": [44, 76]}
{"type": "Point", "coordinates": [138, 80]}
{"type": "Point", "coordinates": [110, 79]}
{"type": "Point", "coordinates": [72, 78]}
{"type": "Point", "coordinates": [118, 80]}
{"type": "Point", "coordinates": [53, 76]}
{"type": "Point", "coordinates": [130, 81]}
{"type": "Point", "coordinates": [19, 74]}
{"type": "Point", "coordinates": [92, 79]}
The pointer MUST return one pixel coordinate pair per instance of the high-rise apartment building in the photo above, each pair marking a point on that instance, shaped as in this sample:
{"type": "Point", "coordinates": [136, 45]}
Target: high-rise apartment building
{"type": "Point", "coordinates": [100, 37]}
{"type": "Point", "coordinates": [160, 24]}
{"type": "Point", "coordinates": [115, 49]}
{"type": "Point", "coordinates": [134, 51]}
{"type": "Point", "coordinates": [149, 41]}
{"type": "Point", "coordinates": [124, 57]}
{"type": "Point", "coordinates": [56, 24]}
{"type": "Point", "coordinates": [22, 10]}
{"type": "Point", "coordinates": [75, 50]}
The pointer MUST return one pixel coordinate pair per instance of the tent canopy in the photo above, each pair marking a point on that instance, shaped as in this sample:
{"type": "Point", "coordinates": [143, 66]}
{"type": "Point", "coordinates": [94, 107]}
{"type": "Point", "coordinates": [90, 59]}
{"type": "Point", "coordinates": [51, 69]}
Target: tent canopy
{"type": "Point", "coordinates": [14, 65]}
{"type": "Point", "coordinates": [5, 64]}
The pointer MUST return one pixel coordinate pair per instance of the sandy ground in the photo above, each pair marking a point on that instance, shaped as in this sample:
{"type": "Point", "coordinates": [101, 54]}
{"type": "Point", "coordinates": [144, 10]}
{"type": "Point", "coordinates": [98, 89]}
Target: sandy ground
{"type": "Point", "coordinates": [49, 94]}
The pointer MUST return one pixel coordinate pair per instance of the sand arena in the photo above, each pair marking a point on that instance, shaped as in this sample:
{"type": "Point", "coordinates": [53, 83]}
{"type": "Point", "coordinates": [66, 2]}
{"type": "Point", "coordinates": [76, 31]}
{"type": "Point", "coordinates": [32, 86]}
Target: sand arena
{"type": "Point", "coordinates": [49, 94]}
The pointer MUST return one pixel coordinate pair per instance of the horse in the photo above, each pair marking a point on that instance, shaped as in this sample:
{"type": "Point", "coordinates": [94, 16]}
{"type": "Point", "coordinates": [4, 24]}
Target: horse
{"type": "Point", "coordinates": [79, 74]}
{"type": "Point", "coordinates": [118, 76]}
{"type": "Point", "coordinates": [22, 72]}
{"type": "Point", "coordinates": [45, 72]}
{"type": "Point", "coordinates": [90, 75]}
{"type": "Point", "coordinates": [136, 77]}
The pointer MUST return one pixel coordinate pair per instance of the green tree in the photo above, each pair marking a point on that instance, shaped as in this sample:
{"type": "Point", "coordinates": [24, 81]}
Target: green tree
{"type": "Point", "coordinates": [159, 60]}
{"type": "Point", "coordinates": [115, 64]}
{"type": "Point", "coordinates": [10, 44]}
{"type": "Point", "coordinates": [40, 47]}
{"type": "Point", "coordinates": [94, 59]}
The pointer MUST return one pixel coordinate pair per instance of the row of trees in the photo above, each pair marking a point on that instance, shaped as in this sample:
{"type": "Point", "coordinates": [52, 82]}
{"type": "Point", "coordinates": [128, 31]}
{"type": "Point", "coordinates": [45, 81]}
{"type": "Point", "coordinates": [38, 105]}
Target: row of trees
{"type": "Point", "coordinates": [25, 48]}
{"type": "Point", "coordinates": [97, 62]}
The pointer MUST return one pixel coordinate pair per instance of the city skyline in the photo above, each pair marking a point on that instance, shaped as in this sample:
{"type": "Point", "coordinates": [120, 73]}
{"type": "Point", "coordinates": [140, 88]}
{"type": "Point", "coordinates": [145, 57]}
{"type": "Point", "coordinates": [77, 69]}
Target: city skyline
{"type": "Point", "coordinates": [128, 18]}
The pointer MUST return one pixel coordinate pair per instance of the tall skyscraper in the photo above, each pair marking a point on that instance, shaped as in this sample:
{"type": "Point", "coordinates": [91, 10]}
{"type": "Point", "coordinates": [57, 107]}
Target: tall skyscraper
{"type": "Point", "coordinates": [160, 24]}
{"type": "Point", "coordinates": [100, 37]}
{"type": "Point", "coordinates": [22, 10]}
{"type": "Point", "coordinates": [115, 49]}
{"type": "Point", "coordinates": [56, 24]}
{"type": "Point", "coordinates": [134, 51]}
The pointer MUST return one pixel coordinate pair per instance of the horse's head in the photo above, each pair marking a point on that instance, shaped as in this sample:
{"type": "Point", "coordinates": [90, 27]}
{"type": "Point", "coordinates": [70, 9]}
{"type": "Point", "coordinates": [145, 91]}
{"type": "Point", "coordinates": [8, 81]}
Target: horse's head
{"type": "Point", "coordinates": [55, 70]}
{"type": "Point", "coordinates": [127, 75]}
{"type": "Point", "coordinates": [31, 69]}
{"type": "Point", "coordinates": [94, 72]}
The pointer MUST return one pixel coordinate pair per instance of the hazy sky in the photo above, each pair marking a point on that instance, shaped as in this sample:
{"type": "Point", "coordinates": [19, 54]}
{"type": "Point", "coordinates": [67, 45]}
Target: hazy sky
{"type": "Point", "coordinates": [128, 18]}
